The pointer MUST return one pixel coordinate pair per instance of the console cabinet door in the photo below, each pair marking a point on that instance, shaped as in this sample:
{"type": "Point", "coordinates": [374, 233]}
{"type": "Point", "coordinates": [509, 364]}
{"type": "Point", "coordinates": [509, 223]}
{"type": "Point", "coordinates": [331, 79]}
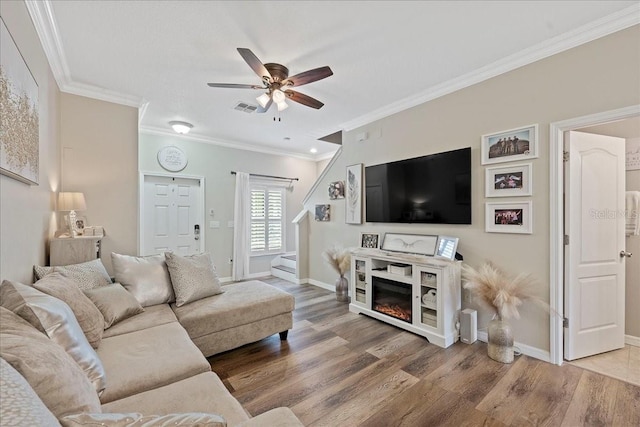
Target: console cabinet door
{"type": "Point", "coordinates": [361, 282]}
{"type": "Point", "coordinates": [429, 307]}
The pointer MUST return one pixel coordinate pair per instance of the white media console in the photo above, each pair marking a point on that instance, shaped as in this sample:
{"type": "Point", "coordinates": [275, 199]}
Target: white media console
{"type": "Point", "coordinates": [420, 294]}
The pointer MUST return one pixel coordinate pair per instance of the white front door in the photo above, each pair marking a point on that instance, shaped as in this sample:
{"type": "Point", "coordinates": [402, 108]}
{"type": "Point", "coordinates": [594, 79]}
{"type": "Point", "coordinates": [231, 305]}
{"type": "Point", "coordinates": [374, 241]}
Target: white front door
{"type": "Point", "coordinates": [172, 214]}
{"type": "Point", "coordinates": [594, 285]}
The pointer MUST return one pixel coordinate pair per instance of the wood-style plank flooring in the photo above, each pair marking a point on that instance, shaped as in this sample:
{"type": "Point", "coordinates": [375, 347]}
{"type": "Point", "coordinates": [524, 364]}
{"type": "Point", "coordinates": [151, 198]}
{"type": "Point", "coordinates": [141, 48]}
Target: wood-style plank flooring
{"type": "Point", "coordinates": [342, 369]}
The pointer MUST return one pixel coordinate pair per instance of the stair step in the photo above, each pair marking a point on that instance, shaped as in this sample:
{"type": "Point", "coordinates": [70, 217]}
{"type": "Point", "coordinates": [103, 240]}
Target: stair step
{"type": "Point", "coordinates": [285, 268]}
{"type": "Point", "coordinates": [290, 257]}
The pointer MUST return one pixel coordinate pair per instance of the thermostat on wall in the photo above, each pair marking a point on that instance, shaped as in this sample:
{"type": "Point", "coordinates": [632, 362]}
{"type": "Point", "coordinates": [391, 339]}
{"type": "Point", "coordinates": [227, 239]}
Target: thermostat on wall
{"type": "Point", "coordinates": [172, 158]}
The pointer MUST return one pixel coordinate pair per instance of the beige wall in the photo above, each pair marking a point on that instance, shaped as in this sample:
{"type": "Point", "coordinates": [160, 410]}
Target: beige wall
{"type": "Point", "coordinates": [574, 83]}
{"type": "Point", "coordinates": [27, 212]}
{"type": "Point", "coordinates": [100, 159]}
{"type": "Point", "coordinates": [215, 163]}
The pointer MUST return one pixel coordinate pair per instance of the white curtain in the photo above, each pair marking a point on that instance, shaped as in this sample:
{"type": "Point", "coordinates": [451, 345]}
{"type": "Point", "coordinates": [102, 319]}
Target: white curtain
{"type": "Point", "coordinates": [241, 227]}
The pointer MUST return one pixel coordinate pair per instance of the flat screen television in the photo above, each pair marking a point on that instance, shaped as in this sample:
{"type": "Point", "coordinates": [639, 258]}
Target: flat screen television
{"type": "Point", "coordinates": [434, 189]}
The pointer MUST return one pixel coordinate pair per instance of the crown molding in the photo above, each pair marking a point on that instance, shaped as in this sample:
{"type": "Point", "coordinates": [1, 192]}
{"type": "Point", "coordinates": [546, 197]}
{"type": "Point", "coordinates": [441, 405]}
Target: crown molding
{"type": "Point", "coordinates": [46, 27]}
{"type": "Point", "coordinates": [225, 143]}
{"type": "Point", "coordinates": [602, 27]}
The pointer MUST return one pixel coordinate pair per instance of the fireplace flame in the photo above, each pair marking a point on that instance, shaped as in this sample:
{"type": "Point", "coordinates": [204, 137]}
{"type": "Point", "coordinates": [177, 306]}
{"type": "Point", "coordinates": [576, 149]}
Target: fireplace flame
{"type": "Point", "coordinates": [394, 310]}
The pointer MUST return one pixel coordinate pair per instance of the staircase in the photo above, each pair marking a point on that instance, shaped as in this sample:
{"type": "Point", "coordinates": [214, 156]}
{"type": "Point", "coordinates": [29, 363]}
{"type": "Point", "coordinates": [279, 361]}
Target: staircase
{"type": "Point", "coordinates": [284, 267]}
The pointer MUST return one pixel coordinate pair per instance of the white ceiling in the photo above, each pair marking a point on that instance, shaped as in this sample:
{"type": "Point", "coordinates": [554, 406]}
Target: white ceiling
{"type": "Point", "coordinates": [385, 56]}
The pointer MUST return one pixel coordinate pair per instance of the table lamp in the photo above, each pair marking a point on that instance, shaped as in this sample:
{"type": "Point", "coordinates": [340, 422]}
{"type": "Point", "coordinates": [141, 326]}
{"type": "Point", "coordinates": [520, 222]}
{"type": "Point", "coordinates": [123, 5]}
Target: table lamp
{"type": "Point", "coordinates": [72, 202]}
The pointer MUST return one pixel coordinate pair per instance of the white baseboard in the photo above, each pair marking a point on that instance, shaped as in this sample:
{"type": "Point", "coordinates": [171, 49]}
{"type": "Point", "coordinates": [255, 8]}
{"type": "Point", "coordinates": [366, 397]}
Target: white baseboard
{"type": "Point", "coordinates": [528, 350]}
{"type": "Point", "coordinates": [320, 284]}
{"type": "Point", "coordinates": [631, 340]}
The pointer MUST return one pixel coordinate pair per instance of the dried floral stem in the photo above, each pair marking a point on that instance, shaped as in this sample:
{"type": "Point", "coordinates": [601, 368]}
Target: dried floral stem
{"type": "Point", "coordinates": [338, 258]}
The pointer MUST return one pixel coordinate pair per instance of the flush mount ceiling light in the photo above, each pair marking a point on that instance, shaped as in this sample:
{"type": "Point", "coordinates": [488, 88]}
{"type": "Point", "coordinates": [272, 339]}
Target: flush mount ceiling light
{"type": "Point", "coordinates": [181, 127]}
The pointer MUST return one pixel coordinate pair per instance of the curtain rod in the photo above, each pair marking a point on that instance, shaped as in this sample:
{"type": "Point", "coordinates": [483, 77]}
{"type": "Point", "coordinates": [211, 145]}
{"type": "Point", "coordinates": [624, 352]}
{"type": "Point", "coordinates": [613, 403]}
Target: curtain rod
{"type": "Point", "coordinates": [270, 176]}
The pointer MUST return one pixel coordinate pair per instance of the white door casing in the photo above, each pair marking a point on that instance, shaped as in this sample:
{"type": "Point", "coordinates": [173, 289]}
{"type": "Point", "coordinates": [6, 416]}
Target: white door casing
{"type": "Point", "coordinates": [594, 221]}
{"type": "Point", "coordinates": [170, 208]}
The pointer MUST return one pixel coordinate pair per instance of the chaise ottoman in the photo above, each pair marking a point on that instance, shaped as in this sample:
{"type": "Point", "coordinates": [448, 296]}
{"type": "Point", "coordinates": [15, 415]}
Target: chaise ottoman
{"type": "Point", "coordinates": [244, 313]}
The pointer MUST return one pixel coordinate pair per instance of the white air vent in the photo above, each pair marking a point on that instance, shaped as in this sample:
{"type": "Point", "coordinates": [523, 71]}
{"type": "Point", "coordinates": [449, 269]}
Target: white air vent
{"type": "Point", "coordinates": [247, 108]}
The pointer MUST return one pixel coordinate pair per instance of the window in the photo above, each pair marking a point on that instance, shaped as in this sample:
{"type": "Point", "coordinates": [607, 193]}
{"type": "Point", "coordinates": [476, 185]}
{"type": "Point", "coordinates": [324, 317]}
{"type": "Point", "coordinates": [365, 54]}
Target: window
{"type": "Point", "coordinates": [267, 219]}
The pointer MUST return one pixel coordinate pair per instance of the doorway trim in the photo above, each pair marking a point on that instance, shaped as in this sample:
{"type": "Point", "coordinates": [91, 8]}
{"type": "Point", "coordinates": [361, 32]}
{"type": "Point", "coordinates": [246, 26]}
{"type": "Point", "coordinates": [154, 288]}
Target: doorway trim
{"type": "Point", "coordinates": [142, 176]}
{"type": "Point", "coordinates": [556, 212]}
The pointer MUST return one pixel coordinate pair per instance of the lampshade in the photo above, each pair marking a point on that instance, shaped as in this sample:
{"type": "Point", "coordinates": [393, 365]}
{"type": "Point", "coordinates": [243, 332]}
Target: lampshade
{"type": "Point", "coordinates": [181, 127]}
{"type": "Point", "coordinates": [71, 202]}
{"type": "Point", "coordinates": [263, 99]}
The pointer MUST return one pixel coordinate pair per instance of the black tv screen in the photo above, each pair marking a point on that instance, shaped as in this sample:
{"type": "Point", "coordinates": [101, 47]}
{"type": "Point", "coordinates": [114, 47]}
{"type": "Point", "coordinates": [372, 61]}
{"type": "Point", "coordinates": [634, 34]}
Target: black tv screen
{"type": "Point", "coordinates": [434, 189]}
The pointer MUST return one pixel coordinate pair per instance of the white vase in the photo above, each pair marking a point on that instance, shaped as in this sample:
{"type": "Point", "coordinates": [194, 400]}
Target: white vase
{"type": "Point", "coordinates": [342, 289]}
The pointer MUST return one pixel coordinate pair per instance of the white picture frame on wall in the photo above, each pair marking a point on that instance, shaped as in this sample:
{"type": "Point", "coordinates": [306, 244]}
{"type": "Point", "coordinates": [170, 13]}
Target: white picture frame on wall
{"type": "Point", "coordinates": [508, 181]}
{"type": "Point", "coordinates": [510, 145]}
{"type": "Point", "coordinates": [509, 217]}
{"type": "Point", "coordinates": [353, 194]}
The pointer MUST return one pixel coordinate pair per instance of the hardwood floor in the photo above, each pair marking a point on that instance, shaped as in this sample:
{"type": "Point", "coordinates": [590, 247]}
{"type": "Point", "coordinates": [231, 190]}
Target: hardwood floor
{"type": "Point", "coordinates": [342, 369]}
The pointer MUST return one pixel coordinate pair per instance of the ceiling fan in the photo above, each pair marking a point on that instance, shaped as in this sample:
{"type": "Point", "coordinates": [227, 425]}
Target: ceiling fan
{"type": "Point", "coordinates": [277, 83]}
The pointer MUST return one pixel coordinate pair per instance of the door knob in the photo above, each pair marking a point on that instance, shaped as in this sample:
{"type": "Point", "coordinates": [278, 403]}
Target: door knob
{"type": "Point", "coordinates": [625, 254]}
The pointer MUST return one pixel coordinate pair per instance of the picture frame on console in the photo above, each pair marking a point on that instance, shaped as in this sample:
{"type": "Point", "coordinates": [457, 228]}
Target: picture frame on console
{"type": "Point", "coordinates": [508, 181]}
{"type": "Point", "coordinates": [369, 240]}
{"type": "Point", "coordinates": [353, 194]}
{"type": "Point", "coordinates": [418, 244]}
{"type": "Point", "coordinates": [509, 217]}
{"type": "Point", "coordinates": [510, 145]}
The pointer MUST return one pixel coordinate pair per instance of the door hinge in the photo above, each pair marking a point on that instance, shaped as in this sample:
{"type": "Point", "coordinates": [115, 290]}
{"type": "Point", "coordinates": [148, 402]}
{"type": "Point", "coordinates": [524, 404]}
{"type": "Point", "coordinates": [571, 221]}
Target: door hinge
{"type": "Point", "coordinates": [566, 239]}
{"type": "Point", "coordinates": [565, 322]}
{"type": "Point", "coordinates": [565, 156]}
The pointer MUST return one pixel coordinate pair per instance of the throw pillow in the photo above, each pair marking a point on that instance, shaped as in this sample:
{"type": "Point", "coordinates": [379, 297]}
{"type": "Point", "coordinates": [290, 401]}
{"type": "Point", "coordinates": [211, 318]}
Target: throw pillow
{"type": "Point", "coordinates": [193, 277]}
{"type": "Point", "coordinates": [56, 320]}
{"type": "Point", "coordinates": [188, 419]}
{"type": "Point", "coordinates": [87, 275]}
{"type": "Point", "coordinates": [19, 403]}
{"type": "Point", "coordinates": [87, 314]}
{"type": "Point", "coordinates": [114, 302]}
{"type": "Point", "coordinates": [50, 371]}
{"type": "Point", "coordinates": [147, 278]}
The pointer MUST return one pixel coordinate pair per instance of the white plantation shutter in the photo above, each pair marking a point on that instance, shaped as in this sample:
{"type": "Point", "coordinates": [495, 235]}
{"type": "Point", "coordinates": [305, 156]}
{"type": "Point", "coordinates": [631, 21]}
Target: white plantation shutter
{"type": "Point", "coordinates": [267, 219]}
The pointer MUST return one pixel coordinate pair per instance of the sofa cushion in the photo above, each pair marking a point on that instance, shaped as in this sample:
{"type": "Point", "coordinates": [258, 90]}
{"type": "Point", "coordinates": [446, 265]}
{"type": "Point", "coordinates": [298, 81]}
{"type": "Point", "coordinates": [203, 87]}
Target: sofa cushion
{"type": "Point", "coordinates": [87, 275]}
{"type": "Point", "coordinates": [193, 419]}
{"type": "Point", "coordinates": [147, 278]}
{"type": "Point", "coordinates": [49, 370]}
{"type": "Point", "coordinates": [114, 302]}
{"type": "Point", "coordinates": [87, 314]}
{"type": "Point", "coordinates": [193, 277]}
{"type": "Point", "coordinates": [154, 315]}
{"type": "Point", "coordinates": [19, 404]}
{"type": "Point", "coordinates": [56, 320]}
{"type": "Point", "coordinates": [147, 359]}
{"type": "Point", "coordinates": [206, 394]}
{"type": "Point", "coordinates": [242, 303]}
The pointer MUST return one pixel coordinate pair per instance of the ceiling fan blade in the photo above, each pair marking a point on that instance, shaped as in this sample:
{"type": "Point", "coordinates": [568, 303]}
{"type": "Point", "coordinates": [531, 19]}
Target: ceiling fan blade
{"type": "Point", "coordinates": [303, 99]}
{"type": "Point", "coordinates": [310, 76]}
{"type": "Point", "coordinates": [235, 86]}
{"type": "Point", "coordinates": [255, 64]}
{"type": "Point", "coordinates": [266, 107]}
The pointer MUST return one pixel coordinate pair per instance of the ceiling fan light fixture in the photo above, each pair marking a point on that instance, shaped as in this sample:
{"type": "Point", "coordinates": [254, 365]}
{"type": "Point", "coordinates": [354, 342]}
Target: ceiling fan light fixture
{"type": "Point", "coordinates": [282, 106]}
{"type": "Point", "coordinates": [263, 100]}
{"type": "Point", "coordinates": [278, 96]}
{"type": "Point", "coordinates": [181, 127]}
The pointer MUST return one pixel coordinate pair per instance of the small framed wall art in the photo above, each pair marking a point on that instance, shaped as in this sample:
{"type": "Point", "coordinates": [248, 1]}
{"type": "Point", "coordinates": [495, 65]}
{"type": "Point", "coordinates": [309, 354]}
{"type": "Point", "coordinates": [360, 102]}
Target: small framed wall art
{"type": "Point", "coordinates": [369, 240]}
{"type": "Point", "coordinates": [510, 145]}
{"type": "Point", "coordinates": [508, 181]}
{"type": "Point", "coordinates": [508, 217]}
{"type": "Point", "coordinates": [353, 192]}
{"type": "Point", "coordinates": [336, 190]}
{"type": "Point", "coordinates": [323, 213]}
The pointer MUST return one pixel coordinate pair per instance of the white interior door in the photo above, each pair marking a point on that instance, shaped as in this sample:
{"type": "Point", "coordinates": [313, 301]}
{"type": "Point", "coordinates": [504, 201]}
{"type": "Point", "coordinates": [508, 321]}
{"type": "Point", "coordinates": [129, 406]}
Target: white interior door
{"type": "Point", "coordinates": [172, 214]}
{"type": "Point", "coordinates": [594, 221]}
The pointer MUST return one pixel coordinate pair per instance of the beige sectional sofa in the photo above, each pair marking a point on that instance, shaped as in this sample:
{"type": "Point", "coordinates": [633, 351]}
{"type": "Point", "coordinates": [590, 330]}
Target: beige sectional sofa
{"type": "Point", "coordinates": [153, 362]}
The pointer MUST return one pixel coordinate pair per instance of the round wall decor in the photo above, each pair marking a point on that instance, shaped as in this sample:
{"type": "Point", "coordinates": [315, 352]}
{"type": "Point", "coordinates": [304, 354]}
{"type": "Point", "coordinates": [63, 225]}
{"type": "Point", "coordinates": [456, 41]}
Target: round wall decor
{"type": "Point", "coordinates": [172, 158]}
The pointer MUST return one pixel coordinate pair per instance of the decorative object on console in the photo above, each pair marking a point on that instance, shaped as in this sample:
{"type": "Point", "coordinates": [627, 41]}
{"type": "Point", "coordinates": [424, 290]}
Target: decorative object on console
{"type": "Point", "coordinates": [71, 202]}
{"type": "Point", "coordinates": [508, 217]}
{"type": "Point", "coordinates": [410, 243]}
{"type": "Point", "coordinates": [339, 259]}
{"type": "Point", "coordinates": [20, 142]}
{"type": "Point", "coordinates": [502, 294]}
{"type": "Point", "coordinates": [336, 190]}
{"type": "Point", "coordinates": [508, 181]}
{"type": "Point", "coordinates": [354, 194]}
{"type": "Point", "coordinates": [447, 247]}
{"type": "Point", "coordinates": [369, 240]}
{"type": "Point", "coordinates": [323, 213]}
{"type": "Point", "coordinates": [510, 145]}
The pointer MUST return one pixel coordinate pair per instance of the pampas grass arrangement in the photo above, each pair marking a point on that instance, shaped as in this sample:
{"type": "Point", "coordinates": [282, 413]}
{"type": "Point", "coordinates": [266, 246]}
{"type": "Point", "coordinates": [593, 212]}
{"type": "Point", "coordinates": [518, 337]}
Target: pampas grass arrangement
{"type": "Point", "coordinates": [499, 291]}
{"type": "Point", "coordinates": [338, 258]}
